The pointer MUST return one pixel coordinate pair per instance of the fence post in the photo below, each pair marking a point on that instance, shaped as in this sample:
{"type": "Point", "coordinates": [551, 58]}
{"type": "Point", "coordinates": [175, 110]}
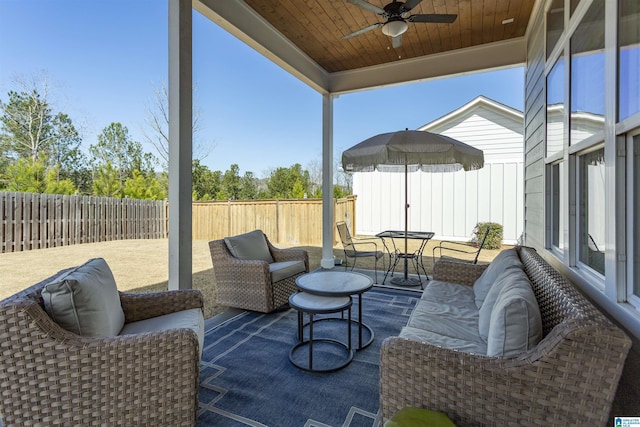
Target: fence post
{"type": "Point", "coordinates": [278, 228]}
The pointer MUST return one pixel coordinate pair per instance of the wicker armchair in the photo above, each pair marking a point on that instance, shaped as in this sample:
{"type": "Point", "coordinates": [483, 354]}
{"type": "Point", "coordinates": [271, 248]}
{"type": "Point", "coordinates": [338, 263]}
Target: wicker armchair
{"type": "Point", "coordinates": [247, 284]}
{"type": "Point", "coordinates": [50, 376]}
{"type": "Point", "coordinates": [569, 378]}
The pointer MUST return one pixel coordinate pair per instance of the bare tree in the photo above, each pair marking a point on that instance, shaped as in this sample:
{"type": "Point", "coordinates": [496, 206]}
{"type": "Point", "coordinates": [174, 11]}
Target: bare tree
{"type": "Point", "coordinates": [157, 119]}
{"type": "Point", "coordinates": [29, 128]}
{"type": "Point", "coordinates": [26, 118]}
{"type": "Point", "coordinates": [341, 177]}
{"type": "Point", "coordinates": [315, 177]}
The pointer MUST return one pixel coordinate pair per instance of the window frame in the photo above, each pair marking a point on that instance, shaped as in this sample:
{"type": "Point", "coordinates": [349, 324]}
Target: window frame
{"type": "Point", "coordinates": [561, 205]}
{"type": "Point", "coordinates": [592, 275]}
{"type": "Point", "coordinates": [616, 285]}
{"type": "Point", "coordinates": [632, 217]}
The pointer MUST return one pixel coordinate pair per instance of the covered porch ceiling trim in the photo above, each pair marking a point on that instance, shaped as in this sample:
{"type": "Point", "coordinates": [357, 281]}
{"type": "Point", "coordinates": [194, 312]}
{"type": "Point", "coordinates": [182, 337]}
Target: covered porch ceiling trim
{"type": "Point", "coordinates": [241, 21]}
{"type": "Point", "coordinates": [244, 23]}
{"type": "Point", "coordinates": [486, 57]}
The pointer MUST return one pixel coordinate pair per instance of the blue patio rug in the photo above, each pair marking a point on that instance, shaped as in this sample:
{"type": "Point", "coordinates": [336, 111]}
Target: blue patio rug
{"type": "Point", "coordinates": [246, 377]}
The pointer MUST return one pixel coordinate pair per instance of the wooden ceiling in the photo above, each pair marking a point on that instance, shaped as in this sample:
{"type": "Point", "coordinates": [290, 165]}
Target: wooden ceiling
{"type": "Point", "coordinates": [317, 26]}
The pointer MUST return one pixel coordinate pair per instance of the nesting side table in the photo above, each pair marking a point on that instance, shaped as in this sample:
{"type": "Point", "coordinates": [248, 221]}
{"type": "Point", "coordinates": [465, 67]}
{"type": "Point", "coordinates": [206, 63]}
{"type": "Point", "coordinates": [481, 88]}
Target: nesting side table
{"type": "Point", "coordinates": [312, 304]}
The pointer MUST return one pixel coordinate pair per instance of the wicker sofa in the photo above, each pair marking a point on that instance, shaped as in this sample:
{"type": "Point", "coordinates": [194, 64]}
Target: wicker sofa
{"type": "Point", "coordinates": [52, 376]}
{"type": "Point", "coordinates": [259, 276]}
{"type": "Point", "coordinates": [569, 377]}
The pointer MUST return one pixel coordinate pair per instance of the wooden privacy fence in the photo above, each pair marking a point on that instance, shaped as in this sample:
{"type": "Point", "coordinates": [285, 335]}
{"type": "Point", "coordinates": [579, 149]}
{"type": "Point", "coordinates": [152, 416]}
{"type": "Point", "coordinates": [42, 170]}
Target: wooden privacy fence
{"type": "Point", "coordinates": [296, 222]}
{"type": "Point", "coordinates": [35, 221]}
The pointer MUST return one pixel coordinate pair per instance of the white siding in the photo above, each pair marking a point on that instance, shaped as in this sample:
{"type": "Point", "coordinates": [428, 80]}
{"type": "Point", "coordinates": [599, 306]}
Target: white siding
{"type": "Point", "coordinates": [451, 204]}
{"type": "Point", "coordinates": [497, 142]}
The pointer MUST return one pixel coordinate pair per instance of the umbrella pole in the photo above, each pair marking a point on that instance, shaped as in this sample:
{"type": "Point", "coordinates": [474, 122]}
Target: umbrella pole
{"type": "Point", "coordinates": [406, 219]}
{"type": "Point", "coordinates": [406, 281]}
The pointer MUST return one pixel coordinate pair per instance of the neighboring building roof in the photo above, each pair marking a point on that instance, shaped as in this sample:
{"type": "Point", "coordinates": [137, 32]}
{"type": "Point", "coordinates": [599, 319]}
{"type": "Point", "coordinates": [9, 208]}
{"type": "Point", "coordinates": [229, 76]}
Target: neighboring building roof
{"type": "Point", "coordinates": [472, 107]}
{"type": "Point", "coordinates": [494, 128]}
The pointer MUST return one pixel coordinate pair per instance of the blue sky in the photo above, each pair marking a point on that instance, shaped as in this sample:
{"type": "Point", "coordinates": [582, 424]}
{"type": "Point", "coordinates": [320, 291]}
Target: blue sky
{"type": "Point", "coordinates": [103, 58]}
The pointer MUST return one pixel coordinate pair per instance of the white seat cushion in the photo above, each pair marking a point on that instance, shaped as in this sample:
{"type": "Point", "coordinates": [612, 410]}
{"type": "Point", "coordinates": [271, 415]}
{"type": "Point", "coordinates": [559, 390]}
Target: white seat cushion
{"type": "Point", "coordinates": [421, 335]}
{"type": "Point", "coordinates": [448, 310]}
{"type": "Point", "coordinates": [189, 319]}
{"type": "Point", "coordinates": [282, 270]}
{"type": "Point", "coordinates": [85, 300]}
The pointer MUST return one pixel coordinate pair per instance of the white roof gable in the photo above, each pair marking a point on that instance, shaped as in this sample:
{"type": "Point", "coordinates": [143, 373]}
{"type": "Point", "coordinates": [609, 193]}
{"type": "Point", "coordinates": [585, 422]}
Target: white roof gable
{"type": "Point", "coordinates": [494, 128]}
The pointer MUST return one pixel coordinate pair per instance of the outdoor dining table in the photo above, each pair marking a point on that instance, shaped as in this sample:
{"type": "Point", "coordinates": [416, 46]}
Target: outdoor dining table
{"type": "Point", "coordinates": [395, 255]}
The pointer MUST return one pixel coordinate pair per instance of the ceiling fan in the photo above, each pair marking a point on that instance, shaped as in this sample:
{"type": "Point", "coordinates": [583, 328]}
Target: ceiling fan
{"type": "Point", "coordinates": [396, 16]}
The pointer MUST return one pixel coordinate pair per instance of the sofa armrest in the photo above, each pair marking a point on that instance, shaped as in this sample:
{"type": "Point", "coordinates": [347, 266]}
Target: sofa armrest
{"type": "Point", "coordinates": [570, 378]}
{"type": "Point", "coordinates": [457, 272]}
{"type": "Point", "coordinates": [49, 375]}
{"type": "Point", "coordinates": [144, 306]}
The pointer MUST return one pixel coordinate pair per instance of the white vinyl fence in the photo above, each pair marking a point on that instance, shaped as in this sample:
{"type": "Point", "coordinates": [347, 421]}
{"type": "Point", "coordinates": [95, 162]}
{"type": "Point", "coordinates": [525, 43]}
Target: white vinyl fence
{"type": "Point", "coordinates": [449, 204]}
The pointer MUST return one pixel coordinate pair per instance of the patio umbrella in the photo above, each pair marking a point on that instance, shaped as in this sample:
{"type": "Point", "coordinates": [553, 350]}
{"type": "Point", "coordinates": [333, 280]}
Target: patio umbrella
{"type": "Point", "coordinates": [411, 150]}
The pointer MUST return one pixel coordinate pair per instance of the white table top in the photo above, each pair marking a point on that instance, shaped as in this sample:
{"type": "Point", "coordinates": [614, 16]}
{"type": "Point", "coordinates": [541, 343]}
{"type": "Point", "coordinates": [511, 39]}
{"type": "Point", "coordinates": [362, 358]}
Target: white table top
{"type": "Point", "coordinates": [316, 303]}
{"type": "Point", "coordinates": [334, 283]}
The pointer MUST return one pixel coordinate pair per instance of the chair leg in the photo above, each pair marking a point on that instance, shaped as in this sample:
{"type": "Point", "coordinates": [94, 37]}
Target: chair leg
{"type": "Point", "coordinates": [416, 263]}
{"type": "Point", "coordinates": [375, 269]}
{"type": "Point", "coordinates": [395, 262]}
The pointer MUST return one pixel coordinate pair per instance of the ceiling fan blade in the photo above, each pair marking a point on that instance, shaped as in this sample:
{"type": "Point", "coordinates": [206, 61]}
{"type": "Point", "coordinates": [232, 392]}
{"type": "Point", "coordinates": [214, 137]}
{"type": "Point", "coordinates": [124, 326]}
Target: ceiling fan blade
{"type": "Point", "coordinates": [437, 18]}
{"type": "Point", "coordinates": [410, 4]}
{"type": "Point", "coordinates": [363, 4]}
{"type": "Point", "coordinates": [362, 31]}
{"type": "Point", "coordinates": [396, 41]}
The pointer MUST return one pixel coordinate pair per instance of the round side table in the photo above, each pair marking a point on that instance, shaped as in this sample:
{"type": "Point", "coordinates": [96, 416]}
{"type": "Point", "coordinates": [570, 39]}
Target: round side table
{"type": "Point", "coordinates": [311, 304]}
{"type": "Point", "coordinates": [331, 283]}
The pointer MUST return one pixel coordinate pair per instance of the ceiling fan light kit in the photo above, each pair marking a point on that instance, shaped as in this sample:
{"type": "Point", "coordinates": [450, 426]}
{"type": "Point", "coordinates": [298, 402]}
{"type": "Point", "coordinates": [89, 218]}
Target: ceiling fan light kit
{"type": "Point", "coordinates": [394, 28]}
{"type": "Point", "coordinates": [396, 15]}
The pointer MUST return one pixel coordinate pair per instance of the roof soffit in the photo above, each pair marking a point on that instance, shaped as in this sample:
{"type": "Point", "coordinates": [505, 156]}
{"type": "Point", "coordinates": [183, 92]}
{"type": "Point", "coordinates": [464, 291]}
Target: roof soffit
{"type": "Point", "coordinates": [303, 37]}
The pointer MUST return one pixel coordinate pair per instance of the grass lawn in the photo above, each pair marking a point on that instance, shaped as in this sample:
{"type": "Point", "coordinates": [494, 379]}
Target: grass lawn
{"type": "Point", "coordinates": [142, 265]}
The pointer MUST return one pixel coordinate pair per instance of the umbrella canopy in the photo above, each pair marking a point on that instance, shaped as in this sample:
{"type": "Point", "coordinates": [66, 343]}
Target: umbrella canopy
{"type": "Point", "coordinates": [417, 150]}
{"type": "Point", "coordinates": [411, 150]}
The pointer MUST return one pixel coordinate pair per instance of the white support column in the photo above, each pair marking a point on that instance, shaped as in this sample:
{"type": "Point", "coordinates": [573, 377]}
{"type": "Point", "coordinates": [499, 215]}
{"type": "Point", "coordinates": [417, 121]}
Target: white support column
{"type": "Point", "coordinates": [614, 178]}
{"type": "Point", "coordinates": [327, 182]}
{"type": "Point", "coordinates": [180, 138]}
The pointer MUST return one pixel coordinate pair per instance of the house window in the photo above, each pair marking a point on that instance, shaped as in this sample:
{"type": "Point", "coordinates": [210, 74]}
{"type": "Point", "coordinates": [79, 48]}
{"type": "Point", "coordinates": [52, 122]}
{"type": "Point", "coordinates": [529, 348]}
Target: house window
{"type": "Point", "coordinates": [587, 75]}
{"type": "Point", "coordinates": [555, 24]}
{"type": "Point", "coordinates": [557, 206]}
{"type": "Point", "coordinates": [592, 210]}
{"type": "Point", "coordinates": [628, 58]}
{"type": "Point", "coordinates": [555, 108]}
{"type": "Point", "coordinates": [635, 231]}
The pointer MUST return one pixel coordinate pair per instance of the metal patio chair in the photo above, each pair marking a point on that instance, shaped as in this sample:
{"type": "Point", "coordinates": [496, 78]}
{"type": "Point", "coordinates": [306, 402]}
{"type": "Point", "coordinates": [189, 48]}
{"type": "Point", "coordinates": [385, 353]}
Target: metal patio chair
{"type": "Point", "coordinates": [461, 249]}
{"type": "Point", "coordinates": [356, 247]}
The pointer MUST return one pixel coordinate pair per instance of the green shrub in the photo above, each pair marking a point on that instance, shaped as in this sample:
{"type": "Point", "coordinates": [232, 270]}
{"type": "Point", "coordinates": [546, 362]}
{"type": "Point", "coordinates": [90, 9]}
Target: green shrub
{"type": "Point", "coordinates": [494, 239]}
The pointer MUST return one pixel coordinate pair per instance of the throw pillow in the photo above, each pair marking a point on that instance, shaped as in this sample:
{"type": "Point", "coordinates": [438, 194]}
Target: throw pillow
{"type": "Point", "coordinates": [516, 323]}
{"type": "Point", "coordinates": [506, 258]}
{"type": "Point", "coordinates": [85, 300]}
{"type": "Point", "coordinates": [252, 245]}
{"type": "Point", "coordinates": [509, 277]}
